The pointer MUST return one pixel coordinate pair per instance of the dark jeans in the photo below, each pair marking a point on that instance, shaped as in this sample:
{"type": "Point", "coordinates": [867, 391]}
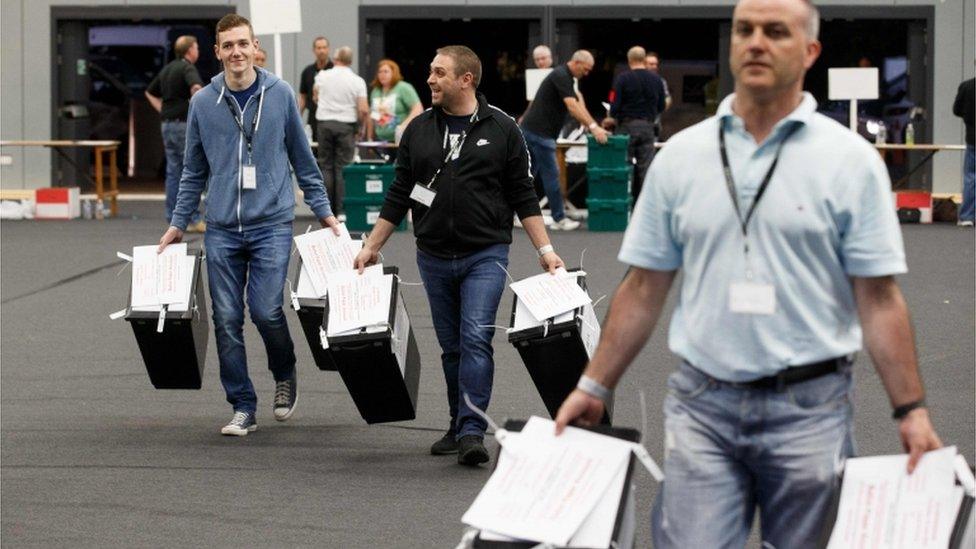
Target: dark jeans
{"type": "Point", "coordinates": [640, 148]}
{"type": "Point", "coordinates": [543, 153]}
{"type": "Point", "coordinates": [258, 261]}
{"type": "Point", "coordinates": [967, 211]}
{"type": "Point", "coordinates": [174, 143]}
{"type": "Point", "coordinates": [337, 147]}
{"type": "Point", "coordinates": [464, 295]}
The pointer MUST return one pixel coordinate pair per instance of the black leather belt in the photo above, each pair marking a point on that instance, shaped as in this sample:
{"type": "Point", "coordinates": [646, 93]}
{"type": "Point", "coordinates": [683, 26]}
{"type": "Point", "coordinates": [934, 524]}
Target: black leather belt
{"type": "Point", "coordinates": [796, 374]}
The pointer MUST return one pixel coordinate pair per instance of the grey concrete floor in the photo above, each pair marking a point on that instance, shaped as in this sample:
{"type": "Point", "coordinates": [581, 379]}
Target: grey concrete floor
{"type": "Point", "coordinates": [91, 455]}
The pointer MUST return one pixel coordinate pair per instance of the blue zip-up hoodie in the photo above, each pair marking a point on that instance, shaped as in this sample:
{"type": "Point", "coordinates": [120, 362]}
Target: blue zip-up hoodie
{"type": "Point", "coordinates": [216, 151]}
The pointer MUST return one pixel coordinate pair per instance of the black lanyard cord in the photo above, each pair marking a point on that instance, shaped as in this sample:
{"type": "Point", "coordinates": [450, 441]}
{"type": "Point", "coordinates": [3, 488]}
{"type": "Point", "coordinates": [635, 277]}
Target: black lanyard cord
{"type": "Point", "coordinates": [249, 139]}
{"type": "Point", "coordinates": [730, 182]}
{"type": "Point", "coordinates": [455, 147]}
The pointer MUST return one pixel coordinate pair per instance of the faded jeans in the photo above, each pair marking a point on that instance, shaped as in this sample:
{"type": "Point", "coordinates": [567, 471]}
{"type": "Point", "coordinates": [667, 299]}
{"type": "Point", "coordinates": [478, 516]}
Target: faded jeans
{"type": "Point", "coordinates": [729, 449]}
{"type": "Point", "coordinates": [174, 143]}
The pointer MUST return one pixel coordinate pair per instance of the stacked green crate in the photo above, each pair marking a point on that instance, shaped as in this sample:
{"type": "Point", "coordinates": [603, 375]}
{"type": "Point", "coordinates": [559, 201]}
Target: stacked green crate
{"type": "Point", "coordinates": [609, 174]}
{"type": "Point", "coordinates": [366, 187]}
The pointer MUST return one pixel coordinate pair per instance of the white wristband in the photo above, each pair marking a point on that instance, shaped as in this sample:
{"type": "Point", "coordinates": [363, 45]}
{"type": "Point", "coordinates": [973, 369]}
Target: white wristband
{"type": "Point", "coordinates": [594, 388]}
{"type": "Point", "coordinates": [545, 249]}
{"type": "Point", "coordinates": [592, 125]}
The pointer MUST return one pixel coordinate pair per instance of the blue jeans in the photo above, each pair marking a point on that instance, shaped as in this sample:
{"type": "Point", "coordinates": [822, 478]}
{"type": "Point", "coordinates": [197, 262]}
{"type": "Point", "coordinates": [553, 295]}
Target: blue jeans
{"type": "Point", "coordinates": [542, 151]}
{"type": "Point", "coordinates": [730, 448]}
{"type": "Point", "coordinates": [464, 295]}
{"type": "Point", "coordinates": [174, 143]}
{"type": "Point", "coordinates": [967, 211]}
{"type": "Point", "coordinates": [258, 261]}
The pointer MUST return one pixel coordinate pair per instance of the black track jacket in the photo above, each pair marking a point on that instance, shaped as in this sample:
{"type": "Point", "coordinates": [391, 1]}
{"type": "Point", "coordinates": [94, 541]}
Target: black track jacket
{"type": "Point", "coordinates": [476, 194]}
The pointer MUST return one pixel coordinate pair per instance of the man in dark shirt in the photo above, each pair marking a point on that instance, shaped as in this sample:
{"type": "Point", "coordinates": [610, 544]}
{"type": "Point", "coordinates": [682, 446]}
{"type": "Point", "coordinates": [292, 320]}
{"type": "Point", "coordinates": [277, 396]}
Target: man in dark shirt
{"type": "Point", "coordinates": [638, 99]}
{"type": "Point", "coordinates": [557, 96]}
{"type": "Point", "coordinates": [320, 46]}
{"type": "Point", "coordinates": [462, 169]}
{"type": "Point", "coordinates": [169, 93]}
{"type": "Point", "coordinates": [964, 107]}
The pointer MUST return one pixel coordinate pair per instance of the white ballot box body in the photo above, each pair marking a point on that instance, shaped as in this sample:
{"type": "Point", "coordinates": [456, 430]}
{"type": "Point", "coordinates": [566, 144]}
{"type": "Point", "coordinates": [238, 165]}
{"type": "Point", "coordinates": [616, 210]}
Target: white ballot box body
{"type": "Point", "coordinates": [625, 523]}
{"type": "Point", "coordinates": [381, 369]}
{"type": "Point", "coordinates": [175, 357]}
{"type": "Point", "coordinates": [555, 354]}
{"type": "Point", "coordinates": [310, 312]}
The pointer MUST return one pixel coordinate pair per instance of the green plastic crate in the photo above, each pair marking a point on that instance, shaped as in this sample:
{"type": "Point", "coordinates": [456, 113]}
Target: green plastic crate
{"type": "Point", "coordinates": [608, 215]}
{"type": "Point", "coordinates": [609, 183]}
{"type": "Point", "coordinates": [368, 180]}
{"type": "Point", "coordinates": [362, 213]}
{"type": "Point", "coordinates": [611, 155]}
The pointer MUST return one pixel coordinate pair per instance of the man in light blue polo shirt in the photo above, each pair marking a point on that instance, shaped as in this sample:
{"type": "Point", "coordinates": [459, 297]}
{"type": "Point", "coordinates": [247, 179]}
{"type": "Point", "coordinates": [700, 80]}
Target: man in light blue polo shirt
{"type": "Point", "coordinates": [783, 223]}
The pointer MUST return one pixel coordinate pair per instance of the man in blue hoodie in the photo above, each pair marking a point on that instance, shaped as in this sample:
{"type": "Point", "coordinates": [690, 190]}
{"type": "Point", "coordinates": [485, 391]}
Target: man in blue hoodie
{"type": "Point", "coordinates": [244, 136]}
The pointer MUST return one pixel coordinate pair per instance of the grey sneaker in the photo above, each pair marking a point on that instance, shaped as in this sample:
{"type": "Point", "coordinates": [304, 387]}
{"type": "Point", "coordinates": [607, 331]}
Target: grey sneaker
{"type": "Point", "coordinates": [240, 425]}
{"type": "Point", "coordinates": [286, 395]}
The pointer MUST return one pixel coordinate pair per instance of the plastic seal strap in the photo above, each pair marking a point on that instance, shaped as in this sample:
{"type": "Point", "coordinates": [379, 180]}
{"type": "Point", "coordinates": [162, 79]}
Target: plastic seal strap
{"type": "Point", "coordinates": [402, 283]}
{"type": "Point", "coordinates": [294, 296]}
{"type": "Point", "coordinates": [161, 323]}
{"type": "Point", "coordinates": [126, 257]}
{"type": "Point", "coordinates": [323, 338]}
{"type": "Point", "coordinates": [642, 455]}
{"type": "Point", "coordinates": [467, 540]}
{"type": "Point", "coordinates": [118, 314]}
{"type": "Point", "coordinates": [509, 275]}
{"type": "Point", "coordinates": [544, 545]}
{"type": "Point", "coordinates": [500, 434]}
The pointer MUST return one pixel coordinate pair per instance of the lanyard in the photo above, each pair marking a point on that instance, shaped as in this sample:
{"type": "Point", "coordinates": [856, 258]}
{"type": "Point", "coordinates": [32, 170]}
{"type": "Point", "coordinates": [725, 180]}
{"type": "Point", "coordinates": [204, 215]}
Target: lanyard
{"type": "Point", "coordinates": [455, 148]}
{"type": "Point", "coordinates": [730, 183]}
{"type": "Point", "coordinates": [249, 139]}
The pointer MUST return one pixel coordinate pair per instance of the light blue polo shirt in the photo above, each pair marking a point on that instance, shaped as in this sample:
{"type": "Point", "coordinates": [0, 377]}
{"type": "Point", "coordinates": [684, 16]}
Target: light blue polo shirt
{"type": "Point", "coordinates": [826, 215]}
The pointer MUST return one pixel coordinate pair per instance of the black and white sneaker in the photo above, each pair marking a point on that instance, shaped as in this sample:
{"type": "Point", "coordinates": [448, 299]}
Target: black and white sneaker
{"type": "Point", "coordinates": [285, 397]}
{"type": "Point", "coordinates": [240, 425]}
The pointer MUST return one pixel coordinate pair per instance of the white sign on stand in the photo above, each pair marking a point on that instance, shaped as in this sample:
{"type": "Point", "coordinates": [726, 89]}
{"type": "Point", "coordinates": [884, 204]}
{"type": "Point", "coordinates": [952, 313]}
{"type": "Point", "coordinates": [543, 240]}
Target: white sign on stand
{"type": "Point", "coordinates": [852, 84]}
{"type": "Point", "coordinates": [533, 79]}
{"type": "Point", "coordinates": [276, 17]}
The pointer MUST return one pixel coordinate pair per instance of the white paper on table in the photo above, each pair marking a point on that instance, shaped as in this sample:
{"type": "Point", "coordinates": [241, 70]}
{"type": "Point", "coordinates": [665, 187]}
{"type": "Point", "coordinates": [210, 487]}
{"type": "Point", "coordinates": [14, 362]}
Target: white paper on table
{"type": "Point", "coordinates": [357, 301]}
{"type": "Point", "coordinates": [324, 253]}
{"type": "Point", "coordinates": [183, 299]}
{"type": "Point", "coordinates": [544, 487]}
{"type": "Point", "coordinates": [882, 506]}
{"type": "Point", "coordinates": [159, 278]}
{"type": "Point", "coordinates": [524, 319]}
{"type": "Point", "coordinates": [547, 295]}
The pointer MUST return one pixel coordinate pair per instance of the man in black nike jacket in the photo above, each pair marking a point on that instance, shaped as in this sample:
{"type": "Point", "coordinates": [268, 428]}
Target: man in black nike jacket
{"type": "Point", "coordinates": [462, 168]}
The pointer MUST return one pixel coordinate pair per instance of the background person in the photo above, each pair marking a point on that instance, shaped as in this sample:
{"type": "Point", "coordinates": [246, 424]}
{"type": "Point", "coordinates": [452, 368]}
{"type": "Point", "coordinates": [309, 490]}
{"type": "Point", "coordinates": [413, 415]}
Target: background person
{"type": "Point", "coordinates": [393, 103]}
{"type": "Point", "coordinates": [169, 93]}
{"type": "Point", "coordinates": [462, 199]}
{"type": "Point", "coordinates": [320, 47]}
{"type": "Point", "coordinates": [964, 107]}
{"type": "Point", "coordinates": [260, 58]}
{"type": "Point", "coordinates": [342, 117]}
{"type": "Point", "coordinates": [244, 139]}
{"type": "Point", "coordinates": [778, 285]}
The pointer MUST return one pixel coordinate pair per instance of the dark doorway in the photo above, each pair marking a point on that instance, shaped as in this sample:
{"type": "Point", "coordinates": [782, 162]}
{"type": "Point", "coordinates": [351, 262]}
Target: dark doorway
{"type": "Point", "coordinates": [501, 44]}
{"type": "Point", "coordinates": [103, 64]}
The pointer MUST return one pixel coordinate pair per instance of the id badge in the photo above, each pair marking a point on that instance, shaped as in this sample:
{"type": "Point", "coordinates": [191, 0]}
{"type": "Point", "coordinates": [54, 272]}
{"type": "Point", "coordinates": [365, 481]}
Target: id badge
{"type": "Point", "coordinates": [250, 177]}
{"type": "Point", "coordinates": [424, 195]}
{"type": "Point", "coordinates": [752, 298]}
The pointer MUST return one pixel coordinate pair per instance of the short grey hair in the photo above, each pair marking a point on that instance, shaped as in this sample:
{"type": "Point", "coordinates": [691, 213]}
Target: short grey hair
{"type": "Point", "coordinates": [812, 23]}
{"type": "Point", "coordinates": [583, 56]}
{"type": "Point", "coordinates": [344, 55]}
{"type": "Point", "coordinates": [542, 49]}
{"type": "Point", "coordinates": [636, 55]}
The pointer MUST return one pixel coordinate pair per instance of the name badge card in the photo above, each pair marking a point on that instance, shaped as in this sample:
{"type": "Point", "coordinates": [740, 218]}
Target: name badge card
{"type": "Point", "coordinates": [752, 299]}
{"type": "Point", "coordinates": [250, 177]}
{"type": "Point", "coordinates": [424, 195]}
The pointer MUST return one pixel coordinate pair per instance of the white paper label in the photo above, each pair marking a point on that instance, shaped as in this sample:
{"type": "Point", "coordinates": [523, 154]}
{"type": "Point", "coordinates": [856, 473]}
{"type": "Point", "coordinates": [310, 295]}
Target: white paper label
{"type": "Point", "coordinates": [374, 185]}
{"type": "Point", "coordinates": [423, 194]}
{"type": "Point", "coordinates": [250, 177]}
{"type": "Point", "coordinates": [323, 338]}
{"type": "Point", "coordinates": [372, 218]}
{"type": "Point", "coordinates": [752, 299]}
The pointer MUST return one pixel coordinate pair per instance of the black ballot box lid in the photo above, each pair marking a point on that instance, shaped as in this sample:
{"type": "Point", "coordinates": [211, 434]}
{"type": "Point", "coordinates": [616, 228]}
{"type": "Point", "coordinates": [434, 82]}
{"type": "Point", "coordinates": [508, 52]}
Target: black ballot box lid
{"type": "Point", "coordinates": [175, 357]}
{"type": "Point", "coordinates": [624, 526]}
{"type": "Point", "coordinates": [556, 353]}
{"type": "Point", "coordinates": [380, 368]}
{"type": "Point", "coordinates": [310, 312]}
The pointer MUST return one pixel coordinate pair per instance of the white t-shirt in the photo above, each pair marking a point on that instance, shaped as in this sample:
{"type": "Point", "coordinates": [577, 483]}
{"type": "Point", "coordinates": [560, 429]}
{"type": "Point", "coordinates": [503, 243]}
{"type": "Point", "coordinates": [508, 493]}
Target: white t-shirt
{"type": "Point", "coordinates": [339, 91]}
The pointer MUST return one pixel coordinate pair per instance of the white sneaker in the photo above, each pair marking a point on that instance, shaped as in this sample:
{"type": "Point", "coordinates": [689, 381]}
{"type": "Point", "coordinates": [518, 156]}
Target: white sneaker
{"type": "Point", "coordinates": [965, 223]}
{"type": "Point", "coordinates": [240, 425]}
{"type": "Point", "coordinates": [341, 218]}
{"type": "Point", "coordinates": [565, 224]}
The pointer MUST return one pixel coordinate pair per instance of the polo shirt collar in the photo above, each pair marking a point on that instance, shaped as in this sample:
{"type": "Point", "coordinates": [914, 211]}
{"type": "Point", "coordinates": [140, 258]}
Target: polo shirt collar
{"type": "Point", "coordinates": [801, 114]}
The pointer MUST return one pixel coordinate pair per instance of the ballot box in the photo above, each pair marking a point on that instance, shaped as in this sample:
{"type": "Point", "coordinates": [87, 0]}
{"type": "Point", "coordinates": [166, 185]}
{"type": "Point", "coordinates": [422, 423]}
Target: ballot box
{"type": "Point", "coordinates": [174, 347]}
{"type": "Point", "coordinates": [877, 506]}
{"type": "Point", "coordinates": [310, 311]}
{"type": "Point", "coordinates": [624, 522]}
{"type": "Point", "coordinates": [556, 351]}
{"type": "Point", "coordinates": [380, 365]}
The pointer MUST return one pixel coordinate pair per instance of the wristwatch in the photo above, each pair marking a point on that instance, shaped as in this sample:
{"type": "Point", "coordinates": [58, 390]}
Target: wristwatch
{"type": "Point", "coordinates": [545, 249]}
